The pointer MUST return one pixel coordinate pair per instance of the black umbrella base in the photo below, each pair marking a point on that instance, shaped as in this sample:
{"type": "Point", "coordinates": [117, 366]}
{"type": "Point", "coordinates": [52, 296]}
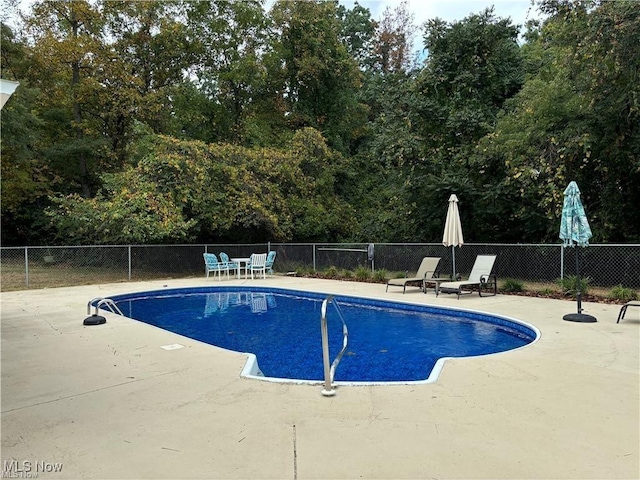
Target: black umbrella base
{"type": "Point", "coordinates": [579, 317]}
{"type": "Point", "coordinates": [94, 320]}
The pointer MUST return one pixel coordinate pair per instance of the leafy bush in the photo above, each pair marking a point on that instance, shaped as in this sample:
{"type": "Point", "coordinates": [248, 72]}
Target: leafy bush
{"type": "Point", "coordinates": [510, 285]}
{"type": "Point", "coordinates": [569, 285]}
{"type": "Point", "coordinates": [381, 275]}
{"type": "Point", "coordinates": [167, 197]}
{"type": "Point", "coordinates": [331, 272]}
{"type": "Point", "coordinates": [623, 294]}
{"type": "Point", "coordinates": [362, 273]}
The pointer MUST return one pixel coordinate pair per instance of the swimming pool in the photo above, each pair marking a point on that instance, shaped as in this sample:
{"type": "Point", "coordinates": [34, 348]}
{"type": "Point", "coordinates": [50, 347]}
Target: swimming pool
{"type": "Point", "coordinates": [389, 342]}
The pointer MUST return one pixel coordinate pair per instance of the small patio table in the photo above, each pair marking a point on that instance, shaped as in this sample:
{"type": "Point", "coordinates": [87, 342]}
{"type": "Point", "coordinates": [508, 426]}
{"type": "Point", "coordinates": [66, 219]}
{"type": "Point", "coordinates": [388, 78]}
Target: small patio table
{"type": "Point", "coordinates": [436, 282]}
{"type": "Point", "coordinates": [242, 263]}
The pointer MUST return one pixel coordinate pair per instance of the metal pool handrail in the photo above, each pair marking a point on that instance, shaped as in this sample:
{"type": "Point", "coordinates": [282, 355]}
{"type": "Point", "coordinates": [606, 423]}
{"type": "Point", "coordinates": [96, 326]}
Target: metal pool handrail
{"type": "Point", "coordinates": [107, 302]}
{"type": "Point", "coordinates": [329, 371]}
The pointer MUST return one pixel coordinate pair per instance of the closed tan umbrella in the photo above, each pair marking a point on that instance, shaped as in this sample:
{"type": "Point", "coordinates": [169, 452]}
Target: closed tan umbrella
{"type": "Point", "coordinates": [453, 229]}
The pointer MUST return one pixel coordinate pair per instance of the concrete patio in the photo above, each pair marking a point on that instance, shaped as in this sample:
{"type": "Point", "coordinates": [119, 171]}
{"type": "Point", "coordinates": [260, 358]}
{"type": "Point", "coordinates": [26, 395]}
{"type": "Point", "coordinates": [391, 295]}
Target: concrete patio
{"type": "Point", "coordinates": [108, 402]}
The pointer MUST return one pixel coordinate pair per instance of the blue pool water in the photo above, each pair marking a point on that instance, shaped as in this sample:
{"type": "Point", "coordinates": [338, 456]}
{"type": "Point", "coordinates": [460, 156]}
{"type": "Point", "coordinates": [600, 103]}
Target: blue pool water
{"type": "Point", "coordinates": [388, 342]}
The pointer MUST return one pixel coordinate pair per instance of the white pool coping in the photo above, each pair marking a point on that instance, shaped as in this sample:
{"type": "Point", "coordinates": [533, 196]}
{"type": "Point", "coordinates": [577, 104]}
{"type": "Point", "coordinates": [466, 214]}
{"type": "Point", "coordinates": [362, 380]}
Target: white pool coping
{"type": "Point", "coordinates": [252, 370]}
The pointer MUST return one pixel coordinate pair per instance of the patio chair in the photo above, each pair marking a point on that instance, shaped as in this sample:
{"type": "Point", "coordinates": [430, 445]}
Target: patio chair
{"type": "Point", "coordinates": [213, 265]}
{"type": "Point", "coordinates": [212, 304]}
{"type": "Point", "coordinates": [480, 278]}
{"type": "Point", "coordinates": [258, 303]}
{"type": "Point", "coordinates": [224, 258]}
{"type": "Point", "coordinates": [258, 263]}
{"type": "Point", "coordinates": [427, 269]}
{"type": "Point", "coordinates": [271, 301]}
{"type": "Point", "coordinates": [271, 257]}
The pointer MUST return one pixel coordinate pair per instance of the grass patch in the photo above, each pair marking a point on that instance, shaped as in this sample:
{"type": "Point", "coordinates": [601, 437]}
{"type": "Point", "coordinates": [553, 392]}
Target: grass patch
{"type": "Point", "coordinates": [511, 285]}
{"type": "Point", "coordinates": [56, 275]}
{"type": "Point", "coordinates": [623, 294]}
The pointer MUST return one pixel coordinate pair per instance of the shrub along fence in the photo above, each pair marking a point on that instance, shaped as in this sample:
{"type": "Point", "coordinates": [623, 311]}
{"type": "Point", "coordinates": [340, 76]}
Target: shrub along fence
{"type": "Point", "coordinates": [38, 267]}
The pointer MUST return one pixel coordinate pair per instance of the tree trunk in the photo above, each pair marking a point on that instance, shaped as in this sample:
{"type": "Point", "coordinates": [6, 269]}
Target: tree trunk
{"type": "Point", "coordinates": [77, 118]}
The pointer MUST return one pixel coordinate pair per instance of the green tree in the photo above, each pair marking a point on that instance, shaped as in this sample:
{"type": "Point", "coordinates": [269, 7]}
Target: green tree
{"type": "Point", "coordinates": [357, 33]}
{"type": "Point", "coordinates": [66, 38]}
{"type": "Point", "coordinates": [229, 39]}
{"type": "Point", "coordinates": [577, 119]}
{"type": "Point", "coordinates": [473, 66]}
{"type": "Point", "coordinates": [26, 179]}
{"type": "Point", "coordinates": [393, 42]}
{"type": "Point", "coordinates": [143, 67]}
{"type": "Point", "coordinates": [318, 78]}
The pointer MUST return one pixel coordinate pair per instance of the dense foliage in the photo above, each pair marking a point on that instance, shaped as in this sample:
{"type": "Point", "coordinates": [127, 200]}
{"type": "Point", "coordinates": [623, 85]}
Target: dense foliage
{"type": "Point", "coordinates": [178, 121]}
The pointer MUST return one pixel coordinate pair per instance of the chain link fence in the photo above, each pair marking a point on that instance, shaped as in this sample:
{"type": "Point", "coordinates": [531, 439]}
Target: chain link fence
{"type": "Point", "coordinates": [41, 267]}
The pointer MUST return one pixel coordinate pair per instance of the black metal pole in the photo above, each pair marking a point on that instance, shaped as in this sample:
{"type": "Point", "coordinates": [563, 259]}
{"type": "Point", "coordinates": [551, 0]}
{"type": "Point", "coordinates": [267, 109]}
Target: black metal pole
{"type": "Point", "coordinates": [578, 293]}
{"type": "Point", "coordinates": [579, 317]}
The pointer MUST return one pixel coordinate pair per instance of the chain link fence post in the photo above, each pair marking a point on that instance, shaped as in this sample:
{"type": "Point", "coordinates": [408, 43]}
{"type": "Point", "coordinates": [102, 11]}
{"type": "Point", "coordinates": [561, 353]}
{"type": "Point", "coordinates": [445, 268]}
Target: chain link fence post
{"type": "Point", "coordinates": [26, 265]}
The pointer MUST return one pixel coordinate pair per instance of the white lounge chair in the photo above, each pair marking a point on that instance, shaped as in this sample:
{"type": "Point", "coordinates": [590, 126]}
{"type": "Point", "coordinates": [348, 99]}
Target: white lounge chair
{"type": "Point", "coordinates": [426, 270]}
{"type": "Point", "coordinates": [480, 278]}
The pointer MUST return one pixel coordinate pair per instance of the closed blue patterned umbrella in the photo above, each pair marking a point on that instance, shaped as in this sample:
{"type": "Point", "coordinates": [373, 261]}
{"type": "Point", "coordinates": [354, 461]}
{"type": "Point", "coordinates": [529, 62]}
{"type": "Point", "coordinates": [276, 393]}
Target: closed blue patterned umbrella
{"type": "Point", "coordinates": [575, 230]}
{"type": "Point", "coordinates": [574, 226]}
